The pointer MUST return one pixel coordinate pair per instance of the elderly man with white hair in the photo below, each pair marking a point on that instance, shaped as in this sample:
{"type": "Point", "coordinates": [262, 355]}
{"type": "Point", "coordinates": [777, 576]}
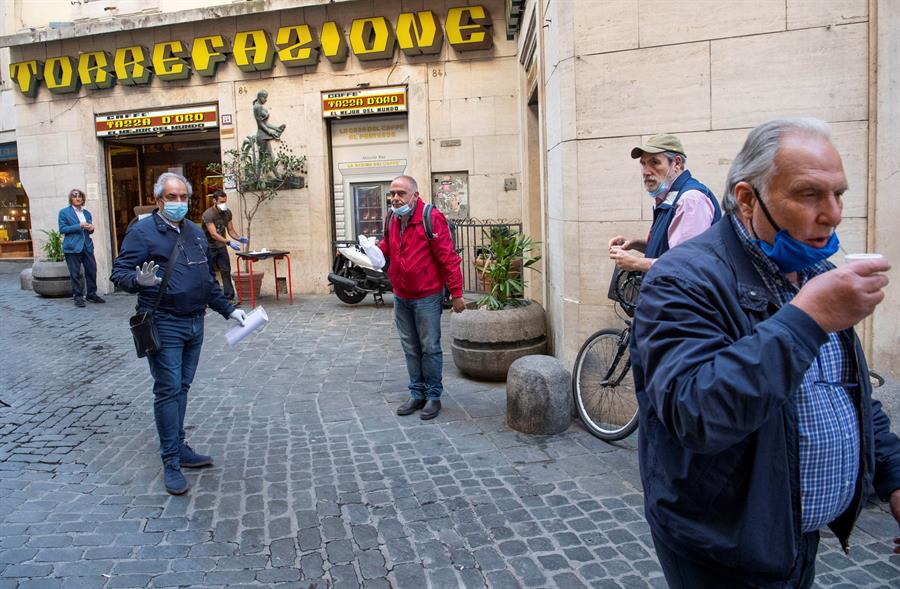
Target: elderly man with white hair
{"type": "Point", "coordinates": [758, 425]}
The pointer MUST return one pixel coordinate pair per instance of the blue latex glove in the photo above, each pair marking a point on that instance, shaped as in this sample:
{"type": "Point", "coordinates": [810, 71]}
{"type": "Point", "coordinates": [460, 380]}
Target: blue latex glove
{"type": "Point", "coordinates": [234, 245]}
{"type": "Point", "coordinates": [244, 240]}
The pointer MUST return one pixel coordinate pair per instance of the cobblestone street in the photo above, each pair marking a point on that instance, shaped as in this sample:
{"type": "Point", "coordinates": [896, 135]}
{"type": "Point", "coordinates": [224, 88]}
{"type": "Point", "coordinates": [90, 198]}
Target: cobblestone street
{"type": "Point", "coordinates": [317, 482]}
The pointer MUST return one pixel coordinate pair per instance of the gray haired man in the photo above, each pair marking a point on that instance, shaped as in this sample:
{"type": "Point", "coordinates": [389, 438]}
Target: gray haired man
{"type": "Point", "coordinates": [758, 425]}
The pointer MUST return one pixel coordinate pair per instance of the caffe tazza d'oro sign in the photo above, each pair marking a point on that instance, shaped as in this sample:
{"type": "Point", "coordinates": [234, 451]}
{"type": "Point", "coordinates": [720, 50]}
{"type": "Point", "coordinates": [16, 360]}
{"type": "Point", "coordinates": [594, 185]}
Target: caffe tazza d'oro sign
{"type": "Point", "coordinates": [188, 118]}
{"type": "Point", "coordinates": [416, 33]}
{"type": "Point", "coordinates": [364, 102]}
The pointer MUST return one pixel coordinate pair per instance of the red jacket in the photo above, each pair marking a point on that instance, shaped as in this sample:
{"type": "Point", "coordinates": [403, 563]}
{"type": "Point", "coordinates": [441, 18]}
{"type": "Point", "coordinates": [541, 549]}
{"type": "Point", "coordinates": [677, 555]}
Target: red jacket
{"type": "Point", "coordinates": [418, 267]}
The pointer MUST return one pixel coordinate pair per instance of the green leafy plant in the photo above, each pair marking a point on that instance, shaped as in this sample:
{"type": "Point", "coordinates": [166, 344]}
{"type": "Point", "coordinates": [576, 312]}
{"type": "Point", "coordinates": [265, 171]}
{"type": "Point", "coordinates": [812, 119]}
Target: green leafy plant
{"type": "Point", "coordinates": [53, 246]}
{"type": "Point", "coordinates": [502, 263]}
{"type": "Point", "coordinates": [259, 176]}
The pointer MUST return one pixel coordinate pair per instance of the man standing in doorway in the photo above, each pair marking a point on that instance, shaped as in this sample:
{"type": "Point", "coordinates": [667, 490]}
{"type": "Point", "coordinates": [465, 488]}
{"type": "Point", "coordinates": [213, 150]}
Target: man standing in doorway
{"type": "Point", "coordinates": [683, 207]}
{"type": "Point", "coordinates": [419, 268]}
{"type": "Point", "coordinates": [218, 226]}
{"type": "Point", "coordinates": [165, 239]}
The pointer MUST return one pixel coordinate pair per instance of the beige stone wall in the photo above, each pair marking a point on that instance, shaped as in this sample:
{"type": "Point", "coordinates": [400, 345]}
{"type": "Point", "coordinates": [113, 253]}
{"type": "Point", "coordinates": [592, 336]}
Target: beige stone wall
{"type": "Point", "coordinates": [467, 96]}
{"type": "Point", "coordinates": [633, 68]}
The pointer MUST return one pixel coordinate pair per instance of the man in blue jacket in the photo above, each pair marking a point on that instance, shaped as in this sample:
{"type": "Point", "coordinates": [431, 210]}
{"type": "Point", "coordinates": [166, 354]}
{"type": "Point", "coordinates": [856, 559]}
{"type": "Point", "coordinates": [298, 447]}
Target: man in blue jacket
{"type": "Point", "coordinates": [76, 225]}
{"type": "Point", "coordinates": [148, 249]}
{"type": "Point", "coordinates": [758, 425]}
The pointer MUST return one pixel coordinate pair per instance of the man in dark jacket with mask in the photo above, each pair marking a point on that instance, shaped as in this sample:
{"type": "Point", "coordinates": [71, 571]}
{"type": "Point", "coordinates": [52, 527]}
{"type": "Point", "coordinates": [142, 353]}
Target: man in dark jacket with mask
{"type": "Point", "coordinates": [758, 426]}
{"type": "Point", "coordinates": [682, 206]}
{"type": "Point", "coordinates": [166, 238]}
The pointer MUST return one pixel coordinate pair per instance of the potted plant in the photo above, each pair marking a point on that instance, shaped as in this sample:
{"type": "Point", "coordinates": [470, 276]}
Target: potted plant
{"type": "Point", "coordinates": [503, 326]}
{"type": "Point", "coordinates": [258, 175]}
{"type": "Point", "coordinates": [50, 275]}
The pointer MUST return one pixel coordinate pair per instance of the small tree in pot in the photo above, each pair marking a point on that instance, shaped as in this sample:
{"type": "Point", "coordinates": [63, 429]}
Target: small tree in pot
{"type": "Point", "coordinates": [259, 176]}
{"type": "Point", "coordinates": [50, 275]}
{"type": "Point", "coordinates": [504, 326]}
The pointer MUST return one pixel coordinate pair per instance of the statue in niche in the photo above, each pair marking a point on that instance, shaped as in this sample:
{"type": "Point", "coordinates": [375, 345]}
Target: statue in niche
{"type": "Point", "coordinates": [257, 145]}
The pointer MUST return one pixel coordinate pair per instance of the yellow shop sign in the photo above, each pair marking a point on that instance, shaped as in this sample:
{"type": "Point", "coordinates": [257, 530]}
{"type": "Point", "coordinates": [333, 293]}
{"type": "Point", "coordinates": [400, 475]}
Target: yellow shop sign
{"type": "Point", "coordinates": [467, 28]}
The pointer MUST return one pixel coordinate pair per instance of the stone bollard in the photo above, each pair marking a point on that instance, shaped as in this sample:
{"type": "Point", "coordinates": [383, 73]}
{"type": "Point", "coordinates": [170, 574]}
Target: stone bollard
{"type": "Point", "coordinates": [25, 279]}
{"type": "Point", "coordinates": [538, 396]}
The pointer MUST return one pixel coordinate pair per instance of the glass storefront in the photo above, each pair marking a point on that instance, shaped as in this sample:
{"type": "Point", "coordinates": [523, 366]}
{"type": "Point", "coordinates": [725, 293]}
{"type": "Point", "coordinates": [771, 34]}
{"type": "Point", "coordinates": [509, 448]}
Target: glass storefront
{"type": "Point", "coordinates": [15, 220]}
{"type": "Point", "coordinates": [134, 165]}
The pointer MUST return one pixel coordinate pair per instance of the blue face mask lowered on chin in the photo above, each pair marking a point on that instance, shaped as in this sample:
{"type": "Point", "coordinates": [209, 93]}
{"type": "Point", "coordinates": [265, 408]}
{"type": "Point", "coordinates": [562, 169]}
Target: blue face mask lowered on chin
{"type": "Point", "coordinates": [789, 254]}
{"type": "Point", "coordinates": [175, 211]}
{"type": "Point", "coordinates": [402, 211]}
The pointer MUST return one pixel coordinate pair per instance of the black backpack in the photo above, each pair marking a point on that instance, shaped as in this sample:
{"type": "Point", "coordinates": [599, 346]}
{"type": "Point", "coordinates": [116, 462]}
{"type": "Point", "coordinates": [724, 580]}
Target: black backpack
{"type": "Point", "coordinates": [426, 221]}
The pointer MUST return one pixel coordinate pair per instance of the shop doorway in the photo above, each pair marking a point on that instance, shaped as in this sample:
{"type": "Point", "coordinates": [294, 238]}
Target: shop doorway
{"type": "Point", "coordinates": [134, 164]}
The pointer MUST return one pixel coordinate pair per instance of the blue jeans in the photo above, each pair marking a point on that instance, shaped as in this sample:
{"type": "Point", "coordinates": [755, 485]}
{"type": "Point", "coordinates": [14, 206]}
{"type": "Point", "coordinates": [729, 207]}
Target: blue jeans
{"type": "Point", "coordinates": [419, 324]}
{"type": "Point", "coordinates": [173, 371]}
{"type": "Point", "coordinates": [682, 573]}
{"type": "Point", "coordinates": [75, 262]}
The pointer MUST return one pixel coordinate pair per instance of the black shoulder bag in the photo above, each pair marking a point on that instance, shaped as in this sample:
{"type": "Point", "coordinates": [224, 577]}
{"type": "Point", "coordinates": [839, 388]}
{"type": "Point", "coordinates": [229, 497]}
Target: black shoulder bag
{"type": "Point", "coordinates": [143, 328]}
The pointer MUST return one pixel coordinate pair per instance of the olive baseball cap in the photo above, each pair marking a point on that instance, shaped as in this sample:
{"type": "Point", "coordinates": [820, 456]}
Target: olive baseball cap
{"type": "Point", "coordinates": [658, 144]}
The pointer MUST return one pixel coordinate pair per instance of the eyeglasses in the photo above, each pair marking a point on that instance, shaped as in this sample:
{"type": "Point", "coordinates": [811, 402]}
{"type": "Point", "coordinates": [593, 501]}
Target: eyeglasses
{"type": "Point", "coordinates": [77, 195]}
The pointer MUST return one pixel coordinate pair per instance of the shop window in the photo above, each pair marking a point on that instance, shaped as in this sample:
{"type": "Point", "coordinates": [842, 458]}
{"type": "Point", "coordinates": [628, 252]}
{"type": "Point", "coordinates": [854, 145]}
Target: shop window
{"type": "Point", "coordinates": [15, 214]}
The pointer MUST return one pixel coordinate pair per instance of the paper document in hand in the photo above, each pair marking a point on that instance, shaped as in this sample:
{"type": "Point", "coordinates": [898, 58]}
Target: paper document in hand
{"type": "Point", "coordinates": [255, 319]}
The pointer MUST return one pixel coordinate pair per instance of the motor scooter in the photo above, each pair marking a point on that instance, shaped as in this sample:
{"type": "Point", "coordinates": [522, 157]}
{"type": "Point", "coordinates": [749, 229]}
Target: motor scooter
{"type": "Point", "coordinates": [353, 275]}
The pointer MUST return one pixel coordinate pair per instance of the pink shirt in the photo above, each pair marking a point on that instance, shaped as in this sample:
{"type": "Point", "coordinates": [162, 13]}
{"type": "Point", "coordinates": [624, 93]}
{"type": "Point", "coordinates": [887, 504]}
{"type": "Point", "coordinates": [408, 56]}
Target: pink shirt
{"type": "Point", "coordinates": [693, 215]}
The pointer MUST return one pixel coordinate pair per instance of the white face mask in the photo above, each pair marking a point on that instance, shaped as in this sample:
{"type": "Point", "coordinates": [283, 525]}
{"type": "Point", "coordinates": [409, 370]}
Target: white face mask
{"type": "Point", "coordinates": [222, 207]}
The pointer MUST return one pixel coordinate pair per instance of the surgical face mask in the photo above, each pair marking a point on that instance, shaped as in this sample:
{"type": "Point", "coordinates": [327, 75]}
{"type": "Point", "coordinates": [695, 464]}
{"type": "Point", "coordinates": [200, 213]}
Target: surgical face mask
{"type": "Point", "coordinates": [402, 211]}
{"type": "Point", "coordinates": [175, 211]}
{"type": "Point", "coordinates": [789, 254]}
{"type": "Point", "coordinates": [222, 207]}
{"type": "Point", "coordinates": [663, 187]}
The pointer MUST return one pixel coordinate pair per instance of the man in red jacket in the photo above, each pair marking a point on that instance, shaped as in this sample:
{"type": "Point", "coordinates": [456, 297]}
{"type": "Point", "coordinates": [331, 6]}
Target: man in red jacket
{"type": "Point", "coordinates": [419, 268]}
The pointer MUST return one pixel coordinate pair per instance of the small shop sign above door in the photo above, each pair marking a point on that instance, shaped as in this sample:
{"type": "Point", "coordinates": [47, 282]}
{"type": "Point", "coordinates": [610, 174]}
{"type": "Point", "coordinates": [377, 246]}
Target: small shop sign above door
{"type": "Point", "coordinates": [188, 118]}
{"type": "Point", "coordinates": [368, 101]}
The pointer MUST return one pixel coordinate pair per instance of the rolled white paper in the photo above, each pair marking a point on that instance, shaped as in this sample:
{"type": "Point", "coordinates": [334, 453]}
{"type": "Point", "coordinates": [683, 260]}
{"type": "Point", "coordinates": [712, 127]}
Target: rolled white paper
{"type": "Point", "coordinates": [858, 257]}
{"type": "Point", "coordinates": [255, 319]}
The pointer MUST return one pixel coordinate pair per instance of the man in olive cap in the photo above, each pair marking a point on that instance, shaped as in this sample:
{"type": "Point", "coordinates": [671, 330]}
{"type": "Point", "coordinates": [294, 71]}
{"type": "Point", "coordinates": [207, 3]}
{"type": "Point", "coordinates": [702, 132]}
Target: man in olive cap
{"type": "Point", "coordinates": [683, 207]}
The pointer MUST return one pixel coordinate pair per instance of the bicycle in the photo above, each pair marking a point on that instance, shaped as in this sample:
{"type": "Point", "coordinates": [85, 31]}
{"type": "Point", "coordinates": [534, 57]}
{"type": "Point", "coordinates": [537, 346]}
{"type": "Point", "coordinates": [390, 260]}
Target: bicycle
{"type": "Point", "coordinates": [602, 383]}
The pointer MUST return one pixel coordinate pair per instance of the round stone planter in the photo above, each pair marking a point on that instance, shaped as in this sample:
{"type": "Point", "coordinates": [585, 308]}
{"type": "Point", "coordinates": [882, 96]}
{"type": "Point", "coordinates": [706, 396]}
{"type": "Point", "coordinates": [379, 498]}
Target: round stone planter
{"type": "Point", "coordinates": [242, 286]}
{"type": "Point", "coordinates": [51, 279]}
{"type": "Point", "coordinates": [485, 343]}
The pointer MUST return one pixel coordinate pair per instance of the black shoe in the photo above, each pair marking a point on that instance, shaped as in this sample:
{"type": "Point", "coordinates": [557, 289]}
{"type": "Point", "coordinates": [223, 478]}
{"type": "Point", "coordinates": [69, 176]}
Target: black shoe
{"type": "Point", "coordinates": [79, 302]}
{"type": "Point", "coordinates": [411, 406]}
{"type": "Point", "coordinates": [431, 410]}
{"type": "Point", "coordinates": [95, 299]}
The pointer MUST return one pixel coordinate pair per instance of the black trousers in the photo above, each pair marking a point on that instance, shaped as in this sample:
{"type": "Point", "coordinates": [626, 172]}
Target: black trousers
{"type": "Point", "coordinates": [75, 263]}
{"type": "Point", "coordinates": [218, 258]}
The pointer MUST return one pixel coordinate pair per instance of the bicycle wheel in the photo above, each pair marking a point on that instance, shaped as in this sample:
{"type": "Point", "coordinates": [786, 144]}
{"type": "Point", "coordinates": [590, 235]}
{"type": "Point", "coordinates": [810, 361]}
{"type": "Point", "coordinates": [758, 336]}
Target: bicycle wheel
{"type": "Point", "coordinates": [603, 386]}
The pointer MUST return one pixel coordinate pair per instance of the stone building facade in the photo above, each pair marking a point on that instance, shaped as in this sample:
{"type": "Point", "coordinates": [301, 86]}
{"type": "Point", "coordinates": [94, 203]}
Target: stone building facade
{"type": "Point", "coordinates": [525, 109]}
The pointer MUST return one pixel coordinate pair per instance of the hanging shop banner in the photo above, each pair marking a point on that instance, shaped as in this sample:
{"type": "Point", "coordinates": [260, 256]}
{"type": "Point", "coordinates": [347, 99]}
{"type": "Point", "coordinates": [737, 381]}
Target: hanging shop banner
{"type": "Point", "coordinates": [188, 118]}
{"type": "Point", "coordinates": [368, 101]}
{"type": "Point", "coordinates": [296, 46]}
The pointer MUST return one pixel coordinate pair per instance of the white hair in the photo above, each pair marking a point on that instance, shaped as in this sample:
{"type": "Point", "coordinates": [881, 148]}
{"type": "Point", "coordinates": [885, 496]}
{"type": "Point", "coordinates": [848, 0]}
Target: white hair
{"type": "Point", "coordinates": [160, 185]}
{"type": "Point", "coordinates": [755, 162]}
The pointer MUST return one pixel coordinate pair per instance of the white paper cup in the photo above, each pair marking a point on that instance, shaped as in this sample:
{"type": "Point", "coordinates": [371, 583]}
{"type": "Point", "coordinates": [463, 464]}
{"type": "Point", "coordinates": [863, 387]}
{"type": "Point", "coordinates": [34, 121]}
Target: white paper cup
{"type": "Point", "coordinates": [857, 257]}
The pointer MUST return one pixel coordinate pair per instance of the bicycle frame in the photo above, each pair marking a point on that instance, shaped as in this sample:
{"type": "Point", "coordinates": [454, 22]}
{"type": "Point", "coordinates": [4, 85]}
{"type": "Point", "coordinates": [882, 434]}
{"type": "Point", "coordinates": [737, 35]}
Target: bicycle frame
{"type": "Point", "coordinates": [623, 346]}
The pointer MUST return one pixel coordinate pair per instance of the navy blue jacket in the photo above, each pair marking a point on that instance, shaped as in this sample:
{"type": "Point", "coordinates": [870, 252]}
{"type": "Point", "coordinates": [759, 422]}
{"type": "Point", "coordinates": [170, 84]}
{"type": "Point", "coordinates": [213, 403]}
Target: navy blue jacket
{"type": "Point", "coordinates": [658, 243]}
{"type": "Point", "coordinates": [191, 286]}
{"type": "Point", "coordinates": [75, 239]}
{"type": "Point", "coordinates": [716, 365]}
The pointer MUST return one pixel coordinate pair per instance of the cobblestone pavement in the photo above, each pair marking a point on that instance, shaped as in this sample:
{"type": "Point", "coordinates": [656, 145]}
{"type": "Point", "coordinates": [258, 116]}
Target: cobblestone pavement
{"type": "Point", "coordinates": [317, 482]}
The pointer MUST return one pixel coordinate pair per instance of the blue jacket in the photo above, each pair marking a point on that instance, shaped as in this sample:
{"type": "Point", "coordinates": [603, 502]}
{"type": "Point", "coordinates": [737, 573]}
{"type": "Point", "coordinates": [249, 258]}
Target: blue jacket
{"type": "Point", "coordinates": [191, 286]}
{"type": "Point", "coordinates": [716, 365]}
{"type": "Point", "coordinates": [658, 243]}
{"type": "Point", "coordinates": [75, 239]}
